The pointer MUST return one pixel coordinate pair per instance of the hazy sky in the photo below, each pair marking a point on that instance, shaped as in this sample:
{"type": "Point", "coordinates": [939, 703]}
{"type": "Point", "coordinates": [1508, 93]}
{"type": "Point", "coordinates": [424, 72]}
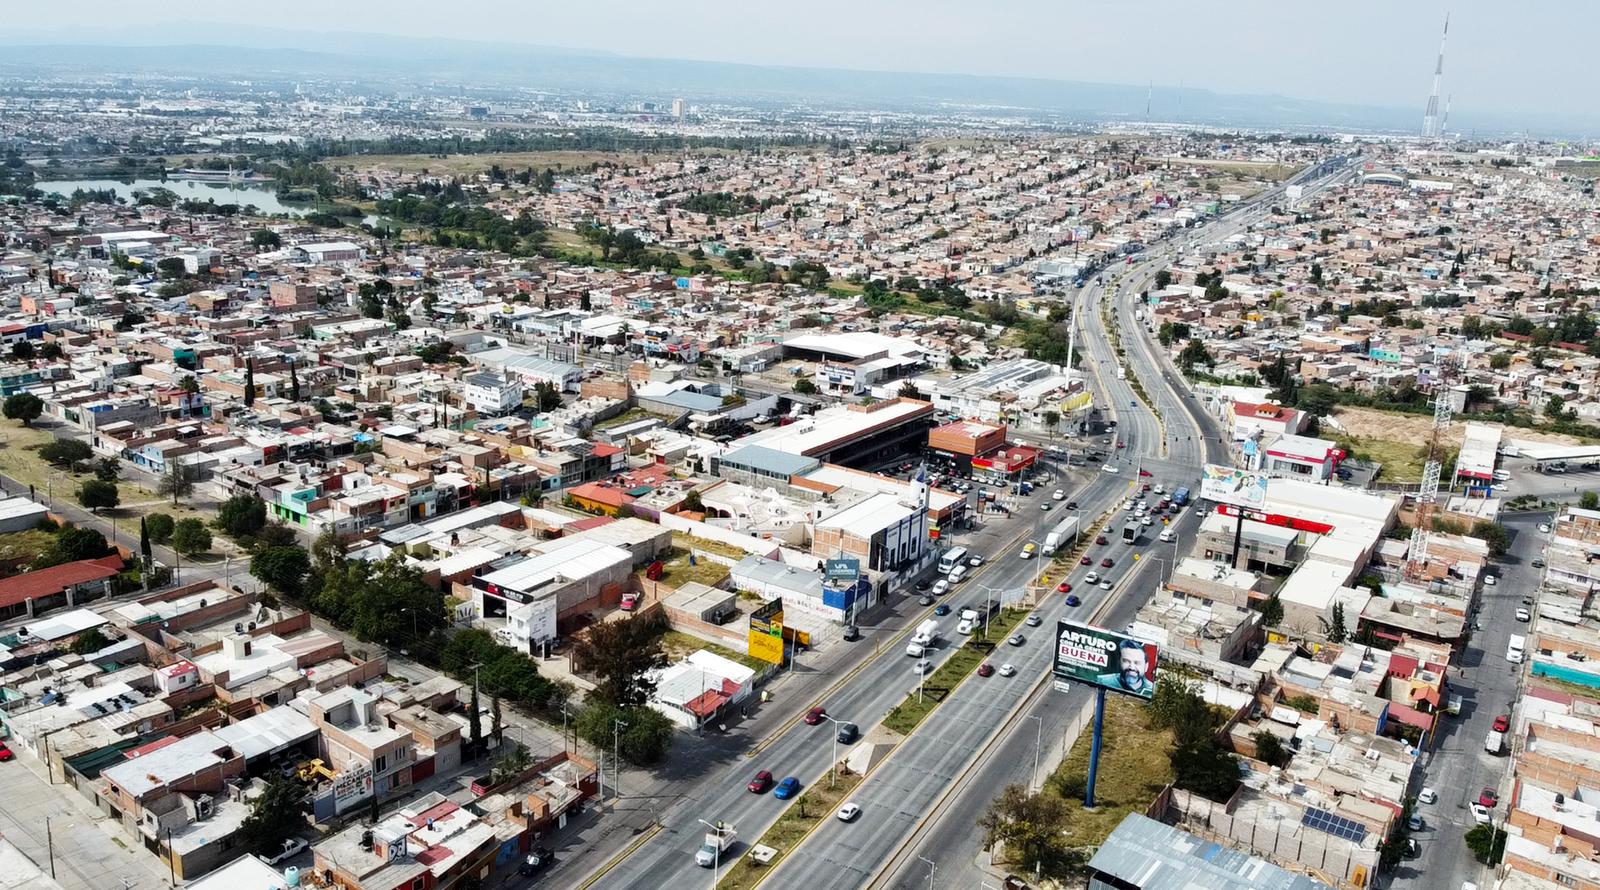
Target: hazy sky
{"type": "Point", "coordinates": [1502, 57]}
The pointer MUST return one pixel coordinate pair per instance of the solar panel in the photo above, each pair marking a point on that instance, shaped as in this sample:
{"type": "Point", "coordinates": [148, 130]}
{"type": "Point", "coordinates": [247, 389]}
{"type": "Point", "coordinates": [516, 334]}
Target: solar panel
{"type": "Point", "coordinates": [1338, 826]}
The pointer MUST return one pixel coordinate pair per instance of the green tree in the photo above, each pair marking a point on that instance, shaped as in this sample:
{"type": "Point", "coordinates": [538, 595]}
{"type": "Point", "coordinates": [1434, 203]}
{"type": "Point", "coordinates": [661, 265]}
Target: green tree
{"type": "Point", "coordinates": [1554, 407]}
{"type": "Point", "coordinates": [160, 526]}
{"type": "Point", "coordinates": [249, 382]}
{"type": "Point", "coordinates": [65, 452]}
{"type": "Point", "coordinates": [1029, 827]}
{"type": "Point", "coordinates": [805, 387]}
{"type": "Point", "coordinates": [284, 569]}
{"type": "Point", "coordinates": [75, 542]}
{"type": "Point", "coordinates": [242, 515]}
{"type": "Point", "coordinates": [22, 350]}
{"type": "Point", "coordinates": [1163, 279]}
{"type": "Point", "coordinates": [1500, 361]}
{"type": "Point", "coordinates": [644, 739]}
{"type": "Point", "coordinates": [546, 396]}
{"type": "Point", "coordinates": [276, 814]}
{"type": "Point", "coordinates": [108, 469]}
{"type": "Point", "coordinates": [1491, 533]}
{"type": "Point", "coordinates": [692, 501]}
{"type": "Point", "coordinates": [511, 765]}
{"type": "Point", "coordinates": [1337, 632]}
{"type": "Point", "coordinates": [1194, 353]}
{"type": "Point", "coordinates": [265, 239]}
{"type": "Point", "coordinates": [1589, 500]}
{"type": "Point", "coordinates": [146, 553]}
{"type": "Point", "coordinates": [623, 655]}
{"type": "Point", "coordinates": [294, 384]}
{"type": "Point", "coordinates": [1052, 419]}
{"type": "Point", "coordinates": [52, 351]}
{"type": "Point", "coordinates": [190, 536]}
{"type": "Point", "coordinates": [97, 494]}
{"type": "Point", "coordinates": [1271, 611]}
{"type": "Point", "coordinates": [24, 406]}
{"type": "Point", "coordinates": [1487, 843]}
{"type": "Point", "coordinates": [175, 481]}
{"type": "Point", "coordinates": [1270, 749]}
{"type": "Point", "coordinates": [89, 641]}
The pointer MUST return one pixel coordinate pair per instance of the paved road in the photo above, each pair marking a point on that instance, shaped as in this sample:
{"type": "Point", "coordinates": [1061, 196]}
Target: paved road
{"type": "Point", "coordinates": [1458, 767]}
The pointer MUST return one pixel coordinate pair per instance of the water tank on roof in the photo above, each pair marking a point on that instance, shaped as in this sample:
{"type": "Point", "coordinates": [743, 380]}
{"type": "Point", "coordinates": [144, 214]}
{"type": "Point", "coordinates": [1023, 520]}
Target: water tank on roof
{"type": "Point", "coordinates": [291, 876]}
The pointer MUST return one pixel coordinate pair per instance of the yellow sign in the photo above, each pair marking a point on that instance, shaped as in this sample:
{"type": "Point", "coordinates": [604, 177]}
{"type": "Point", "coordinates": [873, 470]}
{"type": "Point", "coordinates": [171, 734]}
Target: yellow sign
{"type": "Point", "coordinates": [766, 632]}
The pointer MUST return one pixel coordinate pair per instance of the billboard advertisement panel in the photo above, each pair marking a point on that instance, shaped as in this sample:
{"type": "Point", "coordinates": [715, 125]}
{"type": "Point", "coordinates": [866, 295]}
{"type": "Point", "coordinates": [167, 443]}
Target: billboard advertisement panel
{"type": "Point", "coordinates": [1226, 485]}
{"type": "Point", "coordinates": [843, 569]}
{"type": "Point", "coordinates": [1095, 656]}
{"type": "Point", "coordinates": [351, 787]}
{"type": "Point", "coordinates": [766, 632]}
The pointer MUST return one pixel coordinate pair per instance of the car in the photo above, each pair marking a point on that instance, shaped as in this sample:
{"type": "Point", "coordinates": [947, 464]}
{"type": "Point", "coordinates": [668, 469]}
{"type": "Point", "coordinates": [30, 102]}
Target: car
{"type": "Point", "coordinates": [1028, 550]}
{"type": "Point", "coordinates": [1490, 581]}
{"type": "Point", "coordinates": [1145, 487]}
{"type": "Point", "coordinates": [1106, 563]}
{"type": "Point", "coordinates": [1058, 495]}
{"type": "Point", "coordinates": [630, 601]}
{"type": "Point", "coordinates": [1121, 444]}
{"type": "Point", "coordinates": [1017, 639]}
{"type": "Point", "coordinates": [761, 782]}
{"type": "Point", "coordinates": [922, 666]}
{"type": "Point", "coordinates": [1480, 813]}
{"type": "Point", "coordinates": [1199, 511]}
{"type": "Point", "coordinates": [942, 609]}
{"type": "Point", "coordinates": [1537, 563]}
{"type": "Point", "coordinates": [1523, 614]}
{"type": "Point", "coordinates": [1159, 489]}
{"type": "Point", "coordinates": [1033, 620]}
{"type": "Point", "coordinates": [925, 600]}
{"type": "Point", "coordinates": [1072, 505]}
{"type": "Point", "coordinates": [536, 861]}
{"type": "Point", "coordinates": [1502, 723]}
{"type": "Point", "coordinates": [941, 587]}
{"type": "Point", "coordinates": [847, 733]}
{"type": "Point", "coordinates": [1064, 587]}
{"type": "Point", "coordinates": [986, 669]}
{"type": "Point", "coordinates": [1109, 468]}
{"type": "Point", "coordinates": [849, 811]}
{"type": "Point", "coordinates": [1085, 561]}
{"type": "Point", "coordinates": [1100, 539]}
{"type": "Point", "coordinates": [1045, 507]}
{"type": "Point", "coordinates": [1105, 584]}
{"type": "Point", "coordinates": [1488, 797]}
{"type": "Point", "coordinates": [1414, 822]}
{"type": "Point", "coordinates": [923, 585]}
{"type": "Point", "coordinates": [789, 787]}
{"type": "Point", "coordinates": [1544, 527]}
{"type": "Point", "coordinates": [1143, 472]}
{"type": "Point", "coordinates": [291, 848]}
{"type": "Point", "coordinates": [816, 715]}
{"type": "Point", "coordinates": [974, 560]}
{"type": "Point", "coordinates": [5, 754]}
{"type": "Point", "coordinates": [1091, 578]}
{"type": "Point", "coordinates": [1428, 796]}
{"type": "Point", "coordinates": [851, 632]}
{"type": "Point", "coordinates": [1073, 601]}
{"type": "Point", "coordinates": [1146, 521]}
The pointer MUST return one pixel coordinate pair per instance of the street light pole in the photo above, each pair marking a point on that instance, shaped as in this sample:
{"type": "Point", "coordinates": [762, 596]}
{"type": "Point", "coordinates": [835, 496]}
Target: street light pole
{"type": "Point", "coordinates": [1038, 740]}
{"type": "Point", "coordinates": [930, 870]}
{"type": "Point", "coordinates": [716, 851]}
{"type": "Point", "coordinates": [617, 726]}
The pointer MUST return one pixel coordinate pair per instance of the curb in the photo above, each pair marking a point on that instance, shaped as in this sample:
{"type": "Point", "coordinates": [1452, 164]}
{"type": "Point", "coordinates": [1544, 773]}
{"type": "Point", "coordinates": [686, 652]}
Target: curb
{"type": "Point", "coordinates": [621, 856]}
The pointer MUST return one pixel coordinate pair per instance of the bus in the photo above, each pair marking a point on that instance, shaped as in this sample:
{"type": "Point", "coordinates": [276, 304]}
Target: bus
{"type": "Point", "coordinates": [1181, 497]}
{"type": "Point", "coordinates": [953, 557]}
{"type": "Point", "coordinates": [1130, 533]}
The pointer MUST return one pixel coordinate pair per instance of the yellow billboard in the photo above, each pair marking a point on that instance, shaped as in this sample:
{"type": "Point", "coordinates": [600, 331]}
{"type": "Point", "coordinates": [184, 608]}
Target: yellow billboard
{"type": "Point", "coordinates": [766, 632]}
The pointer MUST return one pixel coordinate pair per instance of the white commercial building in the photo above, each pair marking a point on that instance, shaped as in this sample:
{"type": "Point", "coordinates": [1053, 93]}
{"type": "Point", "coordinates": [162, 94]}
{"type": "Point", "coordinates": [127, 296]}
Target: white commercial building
{"type": "Point", "coordinates": [491, 395]}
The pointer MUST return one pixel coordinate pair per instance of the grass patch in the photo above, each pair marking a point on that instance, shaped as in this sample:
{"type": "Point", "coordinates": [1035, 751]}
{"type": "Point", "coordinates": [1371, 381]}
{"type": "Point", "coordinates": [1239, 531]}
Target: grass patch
{"type": "Point", "coordinates": [679, 645]}
{"type": "Point", "coordinates": [24, 546]}
{"type": "Point", "coordinates": [1133, 769]}
{"type": "Point", "coordinates": [718, 547]}
{"type": "Point", "coordinates": [817, 803]}
{"type": "Point", "coordinates": [629, 416]}
{"type": "Point", "coordinates": [1402, 461]}
{"type": "Point", "coordinates": [906, 716]}
{"type": "Point", "coordinates": [676, 570]}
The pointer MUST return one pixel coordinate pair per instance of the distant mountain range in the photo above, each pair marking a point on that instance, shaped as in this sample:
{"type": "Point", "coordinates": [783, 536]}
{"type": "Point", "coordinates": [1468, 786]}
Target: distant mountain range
{"type": "Point", "coordinates": [275, 57]}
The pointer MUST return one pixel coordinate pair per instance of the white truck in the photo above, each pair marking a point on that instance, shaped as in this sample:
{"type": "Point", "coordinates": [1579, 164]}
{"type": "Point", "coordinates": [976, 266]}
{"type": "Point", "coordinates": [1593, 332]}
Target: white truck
{"type": "Point", "coordinates": [1515, 647]}
{"type": "Point", "coordinates": [927, 632]}
{"type": "Point", "coordinates": [717, 842]}
{"type": "Point", "coordinates": [1495, 742]}
{"type": "Point", "coordinates": [1066, 530]}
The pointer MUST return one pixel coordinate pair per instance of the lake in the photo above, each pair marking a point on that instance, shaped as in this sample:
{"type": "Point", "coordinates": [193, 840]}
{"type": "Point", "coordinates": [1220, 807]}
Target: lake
{"type": "Point", "coordinates": [262, 194]}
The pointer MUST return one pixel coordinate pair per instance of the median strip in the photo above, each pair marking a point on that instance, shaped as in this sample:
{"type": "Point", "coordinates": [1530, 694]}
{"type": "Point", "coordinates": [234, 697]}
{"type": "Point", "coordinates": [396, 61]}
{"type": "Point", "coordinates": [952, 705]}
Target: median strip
{"type": "Point", "coordinates": [905, 717]}
{"type": "Point", "coordinates": [817, 803]}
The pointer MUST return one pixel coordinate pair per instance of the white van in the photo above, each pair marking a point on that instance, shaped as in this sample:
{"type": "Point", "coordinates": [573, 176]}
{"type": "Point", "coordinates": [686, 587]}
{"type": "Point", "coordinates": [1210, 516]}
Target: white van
{"type": "Point", "coordinates": [1515, 647]}
{"type": "Point", "coordinates": [1167, 537]}
{"type": "Point", "coordinates": [958, 574]}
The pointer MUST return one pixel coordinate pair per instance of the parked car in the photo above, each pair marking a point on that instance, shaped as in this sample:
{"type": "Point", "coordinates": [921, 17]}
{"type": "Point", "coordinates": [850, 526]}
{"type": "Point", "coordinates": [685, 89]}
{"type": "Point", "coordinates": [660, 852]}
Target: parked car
{"type": "Point", "coordinates": [5, 754]}
{"type": "Point", "coordinates": [816, 715]}
{"type": "Point", "coordinates": [1480, 813]}
{"type": "Point", "coordinates": [1428, 796]}
{"type": "Point", "coordinates": [761, 782]}
{"type": "Point", "coordinates": [1502, 723]}
{"type": "Point", "coordinates": [536, 861]}
{"type": "Point", "coordinates": [630, 601]}
{"type": "Point", "coordinates": [986, 669]}
{"type": "Point", "coordinates": [1414, 822]}
{"type": "Point", "coordinates": [789, 787]}
{"type": "Point", "coordinates": [1489, 798]}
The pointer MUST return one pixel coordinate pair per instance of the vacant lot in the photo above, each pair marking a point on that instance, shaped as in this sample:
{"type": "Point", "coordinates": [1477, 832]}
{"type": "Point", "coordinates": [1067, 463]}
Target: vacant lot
{"type": "Point", "coordinates": [1268, 171]}
{"type": "Point", "coordinates": [1371, 423]}
{"type": "Point", "coordinates": [1133, 769]}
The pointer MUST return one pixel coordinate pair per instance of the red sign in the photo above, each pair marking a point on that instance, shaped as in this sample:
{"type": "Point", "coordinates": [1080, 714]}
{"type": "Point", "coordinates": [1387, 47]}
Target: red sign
{"type": "Point", "coordinates": [1278, 519]}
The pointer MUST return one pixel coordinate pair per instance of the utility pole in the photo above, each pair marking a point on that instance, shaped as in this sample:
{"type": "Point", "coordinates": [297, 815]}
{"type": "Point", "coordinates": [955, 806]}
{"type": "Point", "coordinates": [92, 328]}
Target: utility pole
{"type": "Point", "coordinates": [617, 726]}
{"type": "Point", "coordinates": [50, 847]}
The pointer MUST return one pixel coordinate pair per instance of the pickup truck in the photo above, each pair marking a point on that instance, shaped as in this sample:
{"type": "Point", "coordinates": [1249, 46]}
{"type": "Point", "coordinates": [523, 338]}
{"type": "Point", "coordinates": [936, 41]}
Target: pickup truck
{"type": "Point", "coordinates": [717, 842]}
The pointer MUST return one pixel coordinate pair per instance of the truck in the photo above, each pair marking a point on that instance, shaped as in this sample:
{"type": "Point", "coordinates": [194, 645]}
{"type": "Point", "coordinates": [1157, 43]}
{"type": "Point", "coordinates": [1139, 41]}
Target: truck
{"type": "Point", "coordinates": [1122, 373]}
{"type": "Point", "coordinates": [1495, 742]}
{"type": "Point", "coordinates": [1065, 530]}
{"type": "Point", "coordinates": [717, 842]}
{"type": "Point", "coordinates": [1514, 648]}
{"type": "Point", "coordinates": [1130, 533]}
{"type": "Point", "coordinates": [927, 632]}
{"type": "Point", "coordinates": [1181, 497]}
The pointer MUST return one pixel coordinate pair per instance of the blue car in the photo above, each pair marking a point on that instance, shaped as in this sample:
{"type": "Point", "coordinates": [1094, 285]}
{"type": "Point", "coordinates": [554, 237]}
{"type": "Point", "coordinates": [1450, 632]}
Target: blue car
{"type": "Point", "coordinates": [942, 609]}
{"type": "Point", "coordinates": [1073, 600]}
{"type": "Point", "coordinates": [786, 789]}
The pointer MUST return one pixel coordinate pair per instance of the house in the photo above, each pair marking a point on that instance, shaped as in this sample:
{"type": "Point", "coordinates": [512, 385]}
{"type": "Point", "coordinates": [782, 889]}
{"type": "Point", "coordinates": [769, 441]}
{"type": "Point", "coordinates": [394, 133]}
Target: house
{"type": "Point", "coordinates": [64, 585]}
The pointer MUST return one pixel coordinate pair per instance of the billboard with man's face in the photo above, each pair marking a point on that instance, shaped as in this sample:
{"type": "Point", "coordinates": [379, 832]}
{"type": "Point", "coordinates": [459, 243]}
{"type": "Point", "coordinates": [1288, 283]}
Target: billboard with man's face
{"type": "Point", "coordinates": [1095, 656]}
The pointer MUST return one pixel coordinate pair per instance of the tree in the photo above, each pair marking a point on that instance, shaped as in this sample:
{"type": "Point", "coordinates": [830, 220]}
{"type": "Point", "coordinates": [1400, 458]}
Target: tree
{"type": "Point", "coordinates": [294, 384]}
{"type": "Point", "coordinates": [1499, 361]}
{"type": "Point", "coordinates": [1487, 843]}
{"type": "Point", "coordinates": [908, 390]}
{"type": "Point", "coordinates": [88, 642]}
{"type": "Point", "coordinates": [511, 765]}
{"type": "Point", "coordinates": [275, 815]}
{"type": "Point", "coordinates": [622, 654]}
{"type": "Point", "coordinates": [52, 351]}
{"type": "Point", "coordinates": [1052, 419]}
{"type": "Point", "coordinates": [65, 452]}
{"type": "Point", "coordinates": [249, 382]}
{"type": "Point", "coordinates": [1589, 501]}
{"type": "Point", "coordinates": [644, 740]}
{"type": "Point", "coordinates": [1493, 534]}
{"type": "Point", "coordinates": [284, 569]}
{"type": "Point", "coordinates": [242, 515]}
{"type": "Point", "coordinates": [1269, 749]}
{"type": "Point", "coordinates": [190, 536]}
{"type": "Point", "coordinates": [1554, 407]}
{"type": "Point", "coordinates": [108, 469]}
{"type": "Point", "coordinates": [1030, 828]}
{"type": "Point", "coordinates": [1163, 279]}
{"type": "Point", "coordinates": [24, 406]}
{"type": "Point", "coordinates": [693, 504]}
{"type": "Point", "coordinates": [1271, 611]}
{"type": "Point", "coordinates": [805, 387]}
{"type": "Point", "coordinates": [265, 239]}
{"type": "Point", "coordinates": [22, 350]}
{"type": "Point", "coordinates": [72, 543]}
{"type": "Point", "coordinates": [146, 554]}
{"type": "Point", "coordinates": [175, 481]}
{"type": "Point", "coordinates": [1337, 632]}
{"type": "Point", "coordinates": [1194, 353]}
{"type": "Point", "coordinates": [97, 494]}
{"type": "Point", "coordinates": [546, 397]}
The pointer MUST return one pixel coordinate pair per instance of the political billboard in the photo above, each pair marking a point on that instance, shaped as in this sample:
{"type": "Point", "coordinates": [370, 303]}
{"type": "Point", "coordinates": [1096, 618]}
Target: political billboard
{"type": "Point", "coordinates": [766, 632]}
{"type": "Point", "coordinates": [1227, 485]}
{"type": "Point", "coordinates": [1095, 656]}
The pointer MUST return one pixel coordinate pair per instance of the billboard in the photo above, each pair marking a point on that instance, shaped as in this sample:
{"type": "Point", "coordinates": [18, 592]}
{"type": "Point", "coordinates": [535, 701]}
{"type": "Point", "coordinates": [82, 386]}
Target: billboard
{"type": "Point", "coordinates": [766, 632]}
{"type": "Point", "coordinates": [846, 570]}
{"type": "Point", "coordinates": [351, 787]}
{"type": "Point", "coordinates": [1095, 656]}
{"type": "Point", "coordinates": [1226, 485]}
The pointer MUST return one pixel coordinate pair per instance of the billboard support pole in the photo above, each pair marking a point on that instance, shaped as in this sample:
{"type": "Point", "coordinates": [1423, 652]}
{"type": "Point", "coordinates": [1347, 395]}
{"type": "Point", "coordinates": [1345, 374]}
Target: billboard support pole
{"type": "Point", "coordinates": [1238, 537]}
{"type": "Point", "coordinates": [1094, 749]}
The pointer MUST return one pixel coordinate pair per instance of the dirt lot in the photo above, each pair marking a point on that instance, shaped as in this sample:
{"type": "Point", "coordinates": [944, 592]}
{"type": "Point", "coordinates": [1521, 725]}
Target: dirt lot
{"type": "Point", "coordinates": [1369, 423]}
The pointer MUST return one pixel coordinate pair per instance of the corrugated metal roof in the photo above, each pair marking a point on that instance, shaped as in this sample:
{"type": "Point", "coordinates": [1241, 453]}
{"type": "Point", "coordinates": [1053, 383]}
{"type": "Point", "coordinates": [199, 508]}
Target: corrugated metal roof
{"type": "Point", "coordinates": [1152, 856]}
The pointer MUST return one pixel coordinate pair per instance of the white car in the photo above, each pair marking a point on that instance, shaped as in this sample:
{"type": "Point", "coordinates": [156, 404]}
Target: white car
{"type": "Point", "coordinates": [1490, 580]}
{"type": "Point", "coordinates": [1480, 813]}
{"type": "Point", "coordinates": [922, 667]}
{"type": "Point", "coordinates": [940, 587]}
{"type": "Point", "coordinates": [1091, 578]}
{"type": "Point", "coordinates": [1109, 468]}
{"type": "Point", "coordinates": [1158, 489]}
{"type": "Point", "coordinates": [1105, 584]}
{"type": "Point", "coordinates": [291, 847]}
{"type": "Point", "coordinates": [1006, 670]}
{"type": "Point", "coordinates": [849, 811]}
{"type": "Point", "coordinates": [1544, 527]}
{"type": "Point", "coordinates": [974, 560]}
{"type": "Point", "coordinates": [1428, 795]}
{"type": "Point", "coordinates": [1058, 495]}
{"type": "Point", "coordinates": [1146, 521]}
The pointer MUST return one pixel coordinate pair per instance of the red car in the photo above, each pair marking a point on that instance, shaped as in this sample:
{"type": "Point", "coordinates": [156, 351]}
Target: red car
{"type": "Point", "coordinates": [5, 754]}
{"type": "Point", "coordinates": [1100, 539]}
{"type": "Point", "coordinates": [1488, 798]}
{"type": "Point", "coordinates": [630, 601]}
{"type": "Point", "coordinates": [1064, 587]}
{"type": "Point", "coordinates": [1085, 561]}
{"type": "Point", "coordinates": [1502, 723]}
{"type": "Point", "coordinates": [1106, 563]}
{"type": "Point", "coordinates": [1145, 472]}
{"type": "Point", "coordinates": [1121, 444]}
{"type": "Point", "coordinates": [816, 715]}
{"type": "Point", "coordinates": [986, 669]}
{"type": "Point", "coordinates": [761, 782]}
{"type": "Point", "coordinates": [1145, 487]}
